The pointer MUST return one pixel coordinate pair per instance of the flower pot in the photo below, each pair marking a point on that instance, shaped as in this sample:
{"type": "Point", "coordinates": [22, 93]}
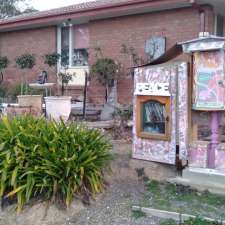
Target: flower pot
{"type": "Point", "coordinates": [58, 107]}
{"type": "Point", "coordinates": [34, 101]}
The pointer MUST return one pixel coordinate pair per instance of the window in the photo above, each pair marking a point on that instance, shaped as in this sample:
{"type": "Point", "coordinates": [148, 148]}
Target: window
{"type": "Point", "coordinates": [65, 46]}
{"type": "Point", "coordinates": [220, 26]}
{"type": "Point", "coordinates": [201, 126]}
{"type": "Point", "coordinates": [153, 120]}
{"type": "Point", "coordinates": [80, 46]}
{"type": "Point", "coordinates": [73, 45]}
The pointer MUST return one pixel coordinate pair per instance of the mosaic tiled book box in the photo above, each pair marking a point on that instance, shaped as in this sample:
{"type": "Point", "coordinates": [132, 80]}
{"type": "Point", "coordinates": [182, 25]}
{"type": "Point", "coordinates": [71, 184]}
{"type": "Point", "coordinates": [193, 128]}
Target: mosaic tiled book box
{"type": "Point", "coordinates": [179, 107]}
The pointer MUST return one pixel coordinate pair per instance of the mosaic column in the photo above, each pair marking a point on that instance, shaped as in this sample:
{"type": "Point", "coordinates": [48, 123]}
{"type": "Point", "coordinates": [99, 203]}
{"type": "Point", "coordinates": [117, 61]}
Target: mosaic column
{"type": "Point", "coordinates": [215, 121]}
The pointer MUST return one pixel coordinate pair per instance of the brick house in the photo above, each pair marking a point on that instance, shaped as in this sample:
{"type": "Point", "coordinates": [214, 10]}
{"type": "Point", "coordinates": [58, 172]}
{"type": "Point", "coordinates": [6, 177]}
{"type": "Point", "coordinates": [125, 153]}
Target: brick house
{"type": "Point", "coordinates": [78, 29]}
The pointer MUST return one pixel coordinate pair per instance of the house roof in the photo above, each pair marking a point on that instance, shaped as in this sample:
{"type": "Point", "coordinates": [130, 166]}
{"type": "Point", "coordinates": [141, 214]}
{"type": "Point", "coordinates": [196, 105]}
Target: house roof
{"type": "Point", "coordinates": [68, 9]}
{"type": "Point", "coordinates": [89, 10]}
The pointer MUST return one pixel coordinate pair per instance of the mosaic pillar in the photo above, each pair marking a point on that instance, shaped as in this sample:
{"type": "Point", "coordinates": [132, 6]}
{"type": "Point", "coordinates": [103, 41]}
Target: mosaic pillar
{"type": "Point", "coordinates": [211, 159]}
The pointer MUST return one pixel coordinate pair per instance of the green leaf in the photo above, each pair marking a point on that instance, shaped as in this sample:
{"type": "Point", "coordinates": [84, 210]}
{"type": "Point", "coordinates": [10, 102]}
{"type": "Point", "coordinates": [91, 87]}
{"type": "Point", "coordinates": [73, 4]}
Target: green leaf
{"type": "Point", "coordinates": [16, 191]}
{"type": "Point", "coordinates": [14, 176]}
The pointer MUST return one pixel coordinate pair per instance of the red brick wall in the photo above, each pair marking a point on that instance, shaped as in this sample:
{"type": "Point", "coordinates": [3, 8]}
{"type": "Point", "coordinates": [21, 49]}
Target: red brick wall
{"type": "Point", "coordinates": [35, 41]}
{"type": "Point", "coordinates": [176, 25]}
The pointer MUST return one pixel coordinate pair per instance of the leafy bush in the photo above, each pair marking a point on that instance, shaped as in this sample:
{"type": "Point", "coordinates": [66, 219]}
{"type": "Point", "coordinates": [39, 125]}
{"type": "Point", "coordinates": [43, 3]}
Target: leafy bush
{"type": "Point", "coordinates": [26, 61]}
{"type": "Point", "coordinates": [3, 62]}
{"type": "Point", "coordinates": [137, 214]}
{"type": "Point", "coordinates": [125, 113]}
{"type": "Point", "coordinates": [14, 91]}
{"type": "Point", "coordinates": [3, 92]}
{"type": "Point", "coordinates": [52, 59]}
{"type": "Point", "coordinates": [55, 160]}
{"type": "Point", "coordinates": [64, 77]}
{"type": "Point", "coordinates": [106, 70]}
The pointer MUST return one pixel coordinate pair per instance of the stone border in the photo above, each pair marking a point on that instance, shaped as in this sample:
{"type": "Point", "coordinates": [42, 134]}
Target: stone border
{"type": "Point", "coordinates": [169, 215]}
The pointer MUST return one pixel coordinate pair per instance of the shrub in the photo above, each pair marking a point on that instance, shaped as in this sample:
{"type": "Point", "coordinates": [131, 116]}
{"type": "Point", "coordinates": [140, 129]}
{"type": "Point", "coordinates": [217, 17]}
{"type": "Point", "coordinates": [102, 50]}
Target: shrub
{"type": "Point", "coordinates": [13, 91]}
{"type": "Point", "coordinates": [64, 77]}
{"type": "Point", "coordinates": [3, 62]}
{"type": "Point", "coordinates": [26, 61]}
{"type": "Point", "coordinates": [54, 160]}
{"type": "Point", "coordinates": [125, 113]}
{"type": "Point", "coordinates": [3, 92]}
{"type": "Point", "coordinates": [52, 59]}
{"type": "Point", "coordinates": [106, 70]}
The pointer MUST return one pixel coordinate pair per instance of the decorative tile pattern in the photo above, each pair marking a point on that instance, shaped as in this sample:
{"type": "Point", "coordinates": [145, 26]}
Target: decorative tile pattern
{"type": "Point", "coordinates": [197, 155]}
{"type": "Point", "coordinates": [156, 150]}
{"type": "Point", "coordinates": [220, 157]}
{"type": "Point", "coordinates": [183, 110]}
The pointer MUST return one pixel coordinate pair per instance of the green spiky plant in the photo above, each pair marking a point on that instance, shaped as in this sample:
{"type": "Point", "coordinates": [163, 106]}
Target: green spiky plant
{"type": "Point", "coordinates": [55, 160]}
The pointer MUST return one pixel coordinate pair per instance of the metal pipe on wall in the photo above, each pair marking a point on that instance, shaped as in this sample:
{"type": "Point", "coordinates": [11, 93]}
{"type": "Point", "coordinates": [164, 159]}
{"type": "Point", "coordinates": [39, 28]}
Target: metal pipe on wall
{"type": "Point", "coordinates": [202, 14]}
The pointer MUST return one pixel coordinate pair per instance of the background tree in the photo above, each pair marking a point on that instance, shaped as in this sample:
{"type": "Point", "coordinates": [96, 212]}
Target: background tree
{"type": "Point", "coordinates": [10, 8]}
{"type": "Point", "coordinates": [106, 70]}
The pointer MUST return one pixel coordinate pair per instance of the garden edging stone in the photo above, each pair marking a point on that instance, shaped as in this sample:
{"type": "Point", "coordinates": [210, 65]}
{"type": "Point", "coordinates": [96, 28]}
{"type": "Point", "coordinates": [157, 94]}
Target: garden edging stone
{"type": "Point", "coordinates": [168, 214]}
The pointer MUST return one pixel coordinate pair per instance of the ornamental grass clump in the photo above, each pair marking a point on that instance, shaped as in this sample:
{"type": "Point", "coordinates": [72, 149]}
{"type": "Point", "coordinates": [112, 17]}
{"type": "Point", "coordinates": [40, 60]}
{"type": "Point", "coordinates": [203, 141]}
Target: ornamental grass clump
{"type": "Point", "coordinates": [52, 160]}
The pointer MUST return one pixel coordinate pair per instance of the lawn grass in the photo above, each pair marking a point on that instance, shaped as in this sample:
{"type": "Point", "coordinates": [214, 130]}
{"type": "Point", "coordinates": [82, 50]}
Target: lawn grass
{"type": "Point", "coordinates": [196, 221]}
{"type": "Point", "coordinates": [181, 199]}
{"type": "Point", "coordinates": [138, 214]}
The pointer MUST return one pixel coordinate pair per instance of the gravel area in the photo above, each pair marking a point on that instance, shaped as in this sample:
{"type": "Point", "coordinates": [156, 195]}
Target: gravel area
{"type": "Point", "coordinates": [114, 207]}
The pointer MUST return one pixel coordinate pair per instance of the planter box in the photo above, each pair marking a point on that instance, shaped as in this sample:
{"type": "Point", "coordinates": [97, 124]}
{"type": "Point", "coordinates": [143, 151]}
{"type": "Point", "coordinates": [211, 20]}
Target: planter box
{"type": "Point", "coordinates": [34, 101]}
{"type": "Point", "coordinates": [22, 110]}
{"type": "Point", "coordinates": [58, 107]}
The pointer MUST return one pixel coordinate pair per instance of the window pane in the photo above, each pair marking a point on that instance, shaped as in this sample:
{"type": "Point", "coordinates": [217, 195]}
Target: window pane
{"type": "Point", "coordinates": [220, 26]}
{"type": "Point", "coordinates": [201, 126]}
{"type": "Point", "coordinates": [65, 46]}
{"type": "Point", "coordinates": [154, 114]}
{"type": "Point", "coordinates": [81, 37]}
{"type": "Point", "coordinates": [80, 45]}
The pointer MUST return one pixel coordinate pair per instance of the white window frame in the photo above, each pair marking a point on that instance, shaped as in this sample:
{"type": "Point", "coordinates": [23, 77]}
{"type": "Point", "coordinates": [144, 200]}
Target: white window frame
{"type": "Point", "coordinates": [59, 45]}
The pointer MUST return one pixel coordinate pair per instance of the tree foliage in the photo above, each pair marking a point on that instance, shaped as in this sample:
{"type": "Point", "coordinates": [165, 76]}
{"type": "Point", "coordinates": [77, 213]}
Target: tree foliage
{"type": "Point", "coordinates": [9, 8]}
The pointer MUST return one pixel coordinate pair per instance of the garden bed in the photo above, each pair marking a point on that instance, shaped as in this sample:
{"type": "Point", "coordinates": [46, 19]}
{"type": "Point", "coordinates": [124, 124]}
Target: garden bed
{"type": "Point", "coordinates": [54, 161]}
{"type": "Point", "coordinates": [181, 199]}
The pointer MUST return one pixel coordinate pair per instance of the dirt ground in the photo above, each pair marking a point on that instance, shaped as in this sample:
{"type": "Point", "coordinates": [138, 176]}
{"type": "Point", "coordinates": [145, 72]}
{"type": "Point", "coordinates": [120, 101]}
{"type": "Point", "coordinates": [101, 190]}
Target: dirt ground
{"type": "Point", "coordinates": [113, 207]}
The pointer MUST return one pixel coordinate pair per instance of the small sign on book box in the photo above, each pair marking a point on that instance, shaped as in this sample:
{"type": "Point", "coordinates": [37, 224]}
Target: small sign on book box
{"type": "Point", "coordinates": [154, 89]}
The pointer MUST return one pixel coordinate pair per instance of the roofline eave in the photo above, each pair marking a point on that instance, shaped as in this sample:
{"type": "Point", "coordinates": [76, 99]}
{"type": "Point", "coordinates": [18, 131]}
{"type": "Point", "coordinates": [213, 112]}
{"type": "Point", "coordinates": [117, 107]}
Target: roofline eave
{"type": "Point", "coordinates": [92, 14]}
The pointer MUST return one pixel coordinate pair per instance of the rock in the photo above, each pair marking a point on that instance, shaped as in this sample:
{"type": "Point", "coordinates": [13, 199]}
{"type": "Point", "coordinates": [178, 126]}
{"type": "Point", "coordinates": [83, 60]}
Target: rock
{"type": "Point", "coordinates": [110, 105]}
{"type": "Point", "coordinates": [107, 112]}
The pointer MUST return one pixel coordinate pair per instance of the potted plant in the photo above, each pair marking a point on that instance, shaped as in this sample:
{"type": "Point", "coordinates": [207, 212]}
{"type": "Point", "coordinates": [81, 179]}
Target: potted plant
{"type": "Point", "coordinates": [26, 62]}
{"type": "Point", "coordinates": [58, 107]}
{"type": "Point", "coordinates": [3, 65]}
{"type": "Point", "coordinates": [106, 71]}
